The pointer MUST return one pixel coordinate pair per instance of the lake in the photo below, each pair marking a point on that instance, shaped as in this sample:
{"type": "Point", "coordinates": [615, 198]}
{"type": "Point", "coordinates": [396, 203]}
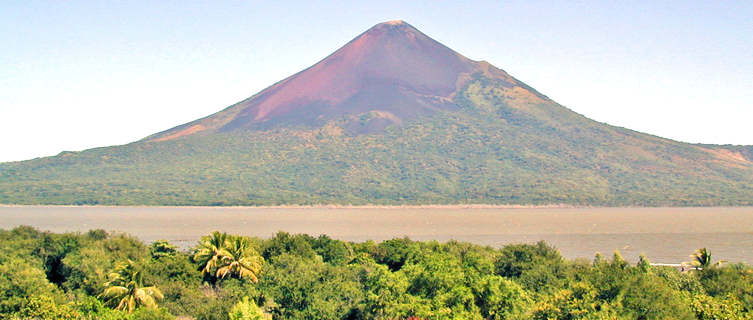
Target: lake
{"type": "Point", "coordinates": [665, 235]}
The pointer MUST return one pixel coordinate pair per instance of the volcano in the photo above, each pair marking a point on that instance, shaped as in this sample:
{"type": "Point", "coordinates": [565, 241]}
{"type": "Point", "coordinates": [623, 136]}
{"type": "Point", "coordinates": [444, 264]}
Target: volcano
{"type": "Point", "coordinates": [393, 117]}
{"type": "Point", "coordinates": [392, 71]}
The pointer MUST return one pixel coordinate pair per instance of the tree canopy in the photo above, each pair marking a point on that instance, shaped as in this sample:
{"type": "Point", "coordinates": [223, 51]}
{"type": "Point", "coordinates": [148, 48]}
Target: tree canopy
{"type": "Point", "coordinates": [99, 275]}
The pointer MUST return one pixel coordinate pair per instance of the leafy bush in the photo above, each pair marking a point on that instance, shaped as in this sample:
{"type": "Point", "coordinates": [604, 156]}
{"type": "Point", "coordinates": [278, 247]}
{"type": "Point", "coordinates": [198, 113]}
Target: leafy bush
{"type": "Point", "coordinates": [246, 310]}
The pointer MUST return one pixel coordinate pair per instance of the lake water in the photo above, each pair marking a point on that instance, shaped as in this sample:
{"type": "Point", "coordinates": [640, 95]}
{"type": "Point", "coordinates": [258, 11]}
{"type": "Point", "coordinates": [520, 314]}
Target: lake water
{"type": "Point", "coordinates": [666, 235]}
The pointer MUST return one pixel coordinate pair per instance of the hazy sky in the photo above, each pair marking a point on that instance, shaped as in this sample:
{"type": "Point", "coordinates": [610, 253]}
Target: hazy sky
{"type": "Point", "coordinates": [82, 74]}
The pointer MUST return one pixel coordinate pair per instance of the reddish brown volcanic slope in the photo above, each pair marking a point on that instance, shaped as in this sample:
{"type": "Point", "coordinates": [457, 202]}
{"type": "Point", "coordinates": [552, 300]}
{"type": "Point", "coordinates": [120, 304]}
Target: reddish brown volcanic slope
{"type": "Point", "coordinates": [392, 69]}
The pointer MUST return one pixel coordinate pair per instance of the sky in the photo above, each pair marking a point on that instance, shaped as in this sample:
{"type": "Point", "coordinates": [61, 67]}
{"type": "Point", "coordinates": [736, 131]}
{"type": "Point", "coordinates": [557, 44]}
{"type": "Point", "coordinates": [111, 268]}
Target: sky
{"type": "Point", "coordinates": [81, 74]}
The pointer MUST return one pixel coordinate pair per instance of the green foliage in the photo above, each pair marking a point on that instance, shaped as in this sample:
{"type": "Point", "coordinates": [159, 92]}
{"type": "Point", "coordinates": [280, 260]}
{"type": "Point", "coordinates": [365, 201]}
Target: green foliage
{"type": "Point", "coordinates": [126, 291]}
{"type": "Point", "coordinates": [433, 274]}
{"type": "Point", "coordinates": [21, 279]}
{"type": "Point", "coordinates": [610, 277]}
{"type": "Point", "coordinates": [577, 302]}
{"type": "Point", "coordinates": [644, 265]}
{"type": "Point", "coordinates": [87, 267]}
{"type": "Point", "coordinates": [97, 234]}
{"type": "Point", "coordinates": [701, 260]}
{"type": "Point", "coordinates": [52, 251]}
{"type": "Point", "coordinates": [395, 253]}
{"type": "Point", "coordinates": [150, 314]}
{"type": "Point", "coordinates": [284, 242]}
{"type": "Point", "coordinates": [246, 310]}
{"type": "Point", "coordinates": [176, 267]}
{"type": "Point", "coordinates": [239, 260]}
{"type": "Point", "coordinates": [680, 281]}
{"type": "Point", "coordinates": [649, 298]}
{"type": "Point", "coordinates": [710, 308]}
{"type": "Point", "coordinates": [385, 293]}
{"type": "Point", "coordinates": [500, 298]}
{"type": "Point", "coordinates": [323, 278]}
{"type": "Point", "coordinates": [162, 248]}
{"type": "Point", "coordinates": [44, 307]}
{"type": "Point", "coordinates": [91, 308]}
{"type": "Point", "coordinates": [305, 288]}
{"type": "Point", "coordinates": [332, 251]}
{"type": "Point", "coordinates": [205, 301]}
{"type": "Point", "coordinates": [209, 253]}
{"type": "Point", "coordinates": [220, 255]}
{"type": "Point", "coordinates": [515, 259]}
{"type": "Point", "coordinates": [734, 280]}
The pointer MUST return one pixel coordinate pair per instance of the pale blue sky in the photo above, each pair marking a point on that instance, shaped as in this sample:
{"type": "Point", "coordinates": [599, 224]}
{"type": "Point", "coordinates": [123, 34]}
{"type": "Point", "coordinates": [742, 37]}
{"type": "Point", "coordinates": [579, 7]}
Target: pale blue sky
{"type": "Point", "coordinates": [83, 74]}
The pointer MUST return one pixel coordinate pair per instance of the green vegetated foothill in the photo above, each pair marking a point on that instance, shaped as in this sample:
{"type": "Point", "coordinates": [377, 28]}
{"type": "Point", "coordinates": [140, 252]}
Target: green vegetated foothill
{"type": "Point", "coordinates": [99, 275]}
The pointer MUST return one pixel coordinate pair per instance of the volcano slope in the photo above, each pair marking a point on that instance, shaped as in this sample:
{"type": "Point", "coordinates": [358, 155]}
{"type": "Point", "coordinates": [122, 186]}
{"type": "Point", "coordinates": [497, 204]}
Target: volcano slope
{"type": "Point", "coordinates": [393, 117]}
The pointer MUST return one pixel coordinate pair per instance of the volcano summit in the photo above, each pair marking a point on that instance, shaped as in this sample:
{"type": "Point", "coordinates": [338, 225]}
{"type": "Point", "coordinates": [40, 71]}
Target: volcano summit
{"type": "Point", "coordinates": [392, 70]}
{"type": "Point", "coordinates": [392, 117]}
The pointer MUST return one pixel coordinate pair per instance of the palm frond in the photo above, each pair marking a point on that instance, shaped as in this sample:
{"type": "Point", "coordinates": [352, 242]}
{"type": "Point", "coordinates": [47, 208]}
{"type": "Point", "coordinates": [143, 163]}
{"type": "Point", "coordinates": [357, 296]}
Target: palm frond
{"type": "Point", "coordinates": [125, 290]}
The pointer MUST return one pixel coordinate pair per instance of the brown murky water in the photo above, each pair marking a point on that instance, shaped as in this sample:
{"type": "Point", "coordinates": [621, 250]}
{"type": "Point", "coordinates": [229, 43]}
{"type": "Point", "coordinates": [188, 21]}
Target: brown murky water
{"type": "Point", "coordinates": [666, 235]}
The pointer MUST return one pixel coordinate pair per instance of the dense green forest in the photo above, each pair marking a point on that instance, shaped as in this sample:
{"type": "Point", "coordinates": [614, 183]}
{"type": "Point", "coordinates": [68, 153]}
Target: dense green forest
{"type": "Point", "coordinates": [489, 152]}
{"type": "Point", "coordinates": [97, 275]}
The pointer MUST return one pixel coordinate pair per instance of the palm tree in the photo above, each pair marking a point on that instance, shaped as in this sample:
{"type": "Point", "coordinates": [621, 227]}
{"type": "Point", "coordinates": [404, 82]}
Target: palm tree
{"type": "Point", "coordinates": [701, 259]}
{"type": "Point", "coordinates": [126, 291]}
{"type": "Point", "coordinates": [210, 252]}
{"type": "Point", "coordinates": [240, 260]}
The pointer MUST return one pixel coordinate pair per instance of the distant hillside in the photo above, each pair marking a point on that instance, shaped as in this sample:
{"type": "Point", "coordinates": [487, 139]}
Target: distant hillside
{"type": "Point", "coordinates": [393, 117]}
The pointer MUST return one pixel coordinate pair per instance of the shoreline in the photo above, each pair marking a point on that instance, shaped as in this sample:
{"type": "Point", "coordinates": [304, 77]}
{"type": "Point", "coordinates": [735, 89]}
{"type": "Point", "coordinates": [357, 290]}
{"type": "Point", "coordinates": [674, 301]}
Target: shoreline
{"type": "Point", "coordinates": [318, 206]}
{"type": "Point", "coordinates": [370, 206]}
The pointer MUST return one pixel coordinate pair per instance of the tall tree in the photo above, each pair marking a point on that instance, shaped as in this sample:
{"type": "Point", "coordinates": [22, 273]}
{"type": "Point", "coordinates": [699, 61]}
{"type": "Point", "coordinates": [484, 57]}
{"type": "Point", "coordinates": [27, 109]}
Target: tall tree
{"type": "Point", "coordinates": [701, 259]}
{"type": "Point", "coordinates": [239, 259]}
{"type": "Point", "coordinates": [126, 291]}
{"type": "Point", "coordinates": [210, 252]}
